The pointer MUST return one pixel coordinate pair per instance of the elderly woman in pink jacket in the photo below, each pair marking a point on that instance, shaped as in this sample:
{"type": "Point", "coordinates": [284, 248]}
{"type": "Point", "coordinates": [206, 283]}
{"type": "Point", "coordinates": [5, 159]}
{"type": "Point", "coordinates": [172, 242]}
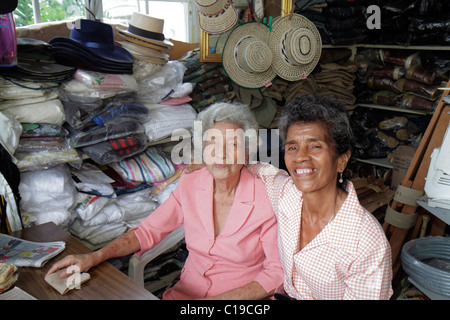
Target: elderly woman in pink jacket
{"type": "Point", "coordinates": [230, 226]}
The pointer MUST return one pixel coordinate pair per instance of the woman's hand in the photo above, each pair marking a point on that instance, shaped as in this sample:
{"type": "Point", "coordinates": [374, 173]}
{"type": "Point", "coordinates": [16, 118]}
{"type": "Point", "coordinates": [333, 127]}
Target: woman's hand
{"type": "Point", "coordinates": [82, 263]}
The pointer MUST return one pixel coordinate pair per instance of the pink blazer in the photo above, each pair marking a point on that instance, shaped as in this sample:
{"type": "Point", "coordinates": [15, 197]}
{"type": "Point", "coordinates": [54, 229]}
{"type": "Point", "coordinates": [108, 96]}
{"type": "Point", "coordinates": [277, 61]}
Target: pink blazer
{"type": "Point", "coordinates": [245, 251]}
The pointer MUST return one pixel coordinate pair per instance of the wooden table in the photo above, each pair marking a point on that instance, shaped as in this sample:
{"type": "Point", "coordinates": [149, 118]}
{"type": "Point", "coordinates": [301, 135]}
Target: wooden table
{"type": "Point", "coordinates": [106, 283]}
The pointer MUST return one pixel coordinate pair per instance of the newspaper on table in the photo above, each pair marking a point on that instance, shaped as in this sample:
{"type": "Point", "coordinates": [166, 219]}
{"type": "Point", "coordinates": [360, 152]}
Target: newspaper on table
{"type": "Point", "coordinates": [23, 253]}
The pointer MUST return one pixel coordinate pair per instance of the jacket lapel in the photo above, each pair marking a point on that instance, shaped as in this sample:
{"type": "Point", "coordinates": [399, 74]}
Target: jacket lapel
{"type": "Point", "coordinates": [242, 204]}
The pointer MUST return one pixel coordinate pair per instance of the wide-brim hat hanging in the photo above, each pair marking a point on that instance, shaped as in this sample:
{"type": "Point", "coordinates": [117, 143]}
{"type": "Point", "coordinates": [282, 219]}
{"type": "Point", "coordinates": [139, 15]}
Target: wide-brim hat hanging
{"type": "Point", "coordinates": [145, 28]}
{"type": "Point", "coordinates": [247, 58]}
{"type": "Point", "coordinates": [296, 45]}
{"type": "Point", "coordinates": [216, 16]}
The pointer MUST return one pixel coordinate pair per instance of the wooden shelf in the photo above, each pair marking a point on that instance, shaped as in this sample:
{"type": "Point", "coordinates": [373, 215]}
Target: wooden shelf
{"type": "Point", "coordinates": [381, 162]}
{"type": "Point", "coordinates": [396, 109]}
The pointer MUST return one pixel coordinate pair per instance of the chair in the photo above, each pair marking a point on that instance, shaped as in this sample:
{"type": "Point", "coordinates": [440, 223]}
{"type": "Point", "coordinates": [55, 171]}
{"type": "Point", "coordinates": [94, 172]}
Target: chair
{"type": "Point", "coordinates": [137, 265]}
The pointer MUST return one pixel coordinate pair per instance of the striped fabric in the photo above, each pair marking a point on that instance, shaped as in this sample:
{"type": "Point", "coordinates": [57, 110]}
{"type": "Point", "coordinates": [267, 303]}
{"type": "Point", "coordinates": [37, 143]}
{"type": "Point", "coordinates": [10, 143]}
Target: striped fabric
{"type": "Point", "coordinates": [149, 166]}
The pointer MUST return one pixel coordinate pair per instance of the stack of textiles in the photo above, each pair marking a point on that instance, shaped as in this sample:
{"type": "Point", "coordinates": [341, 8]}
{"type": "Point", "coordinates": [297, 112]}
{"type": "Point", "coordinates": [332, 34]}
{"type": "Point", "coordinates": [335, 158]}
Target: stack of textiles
{"type": "Point", "coordinates": [412, 22]}
{"type": "Point", "coordinates": [340, 22]}
{"type": "Point", "coordinates": [404, 79]}
{"type": "Point", "coordinates": [211, 83]}
{"type": "Point", "coordinates": [47, 195]}
{"type": "Point", "coordinates": [102, 116]}
{"type": "Point", "coordinates": [110, 202]}
{"type": "Point", "coordinates": [334, 78]}
{"type": "Point", "coordinates": [36, 106]}
{"type": "Point", "coordinates": [163, 92]}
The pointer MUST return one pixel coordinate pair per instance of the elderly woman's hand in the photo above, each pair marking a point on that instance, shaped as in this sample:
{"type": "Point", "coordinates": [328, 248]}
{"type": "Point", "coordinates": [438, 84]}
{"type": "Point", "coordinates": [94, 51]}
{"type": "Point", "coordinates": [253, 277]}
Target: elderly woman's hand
{"type": "Point", "coordinates": [82, 263]}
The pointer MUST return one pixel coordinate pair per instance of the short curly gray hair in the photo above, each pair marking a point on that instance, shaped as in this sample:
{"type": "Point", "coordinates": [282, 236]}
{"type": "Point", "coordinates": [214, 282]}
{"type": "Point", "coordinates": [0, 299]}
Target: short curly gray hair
{"type": "Point", "coordinates": [232, 112]}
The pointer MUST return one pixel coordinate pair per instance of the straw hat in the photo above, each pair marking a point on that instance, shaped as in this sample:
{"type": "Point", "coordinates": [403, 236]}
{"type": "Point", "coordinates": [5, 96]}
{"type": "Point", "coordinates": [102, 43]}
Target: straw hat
{"type": "Point", "coordinates": [247, 58]}
{"type": "Point", "coordinates": [296, 45]}
{"type": "Point", "coordinates": [216, 16]}
{"type": "Point", "coordinates": [145, 28]}
{"type": "Point", "coordinates": [143, 53]}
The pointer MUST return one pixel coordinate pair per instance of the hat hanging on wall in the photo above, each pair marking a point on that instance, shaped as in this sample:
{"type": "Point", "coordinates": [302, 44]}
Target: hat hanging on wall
{"type": "Point", "coordinates": [247, 58]}
{"type": "Point", "coordinates": [147, 29]}
{"type": "Point", "coordinates": [296, 45]}
{"type": "Point", "coordinates": [216, 16]}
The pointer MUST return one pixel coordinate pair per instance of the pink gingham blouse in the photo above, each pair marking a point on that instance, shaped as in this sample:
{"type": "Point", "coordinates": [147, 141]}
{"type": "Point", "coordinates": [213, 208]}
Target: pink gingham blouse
{"type": "Point", "coordinates": [349, 259]}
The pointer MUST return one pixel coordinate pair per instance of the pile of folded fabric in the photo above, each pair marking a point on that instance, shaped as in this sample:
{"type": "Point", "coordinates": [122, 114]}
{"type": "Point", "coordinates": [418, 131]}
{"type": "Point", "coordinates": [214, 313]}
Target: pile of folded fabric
{"type": "Point", "coordinates": [412, 22]}
{"type": "Point", "coordinates": [119, 197]}
{"type": "Point", "coordinates": [29, 94]}
{"type": "Point", "coordinates": [340, 22]}
{"type": "Point", "coordinates": [102, 116]}
{"type": "Point", "coordinates": [211, 83]}
{"type": "Point", "coordinates": [47, 195]}
{"type": "Point", "coordinates": [91, 46]}
{"type": "Point", "coordinates": [145, 40]}
{"type": "Point", "coordinates": [334, 77]}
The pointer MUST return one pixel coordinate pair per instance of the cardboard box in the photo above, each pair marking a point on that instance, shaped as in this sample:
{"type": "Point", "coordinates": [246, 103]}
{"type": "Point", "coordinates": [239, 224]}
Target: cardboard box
{"type": "Point", "coordinates": [401, 161]}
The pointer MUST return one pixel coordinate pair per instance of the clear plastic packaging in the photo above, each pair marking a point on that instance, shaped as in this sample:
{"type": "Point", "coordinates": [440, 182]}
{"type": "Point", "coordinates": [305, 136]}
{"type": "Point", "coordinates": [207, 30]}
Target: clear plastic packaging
{"type": "Point", "coordinates": [427, 262]}
{"type": "Point", "coordinates": [163, 84]}
{"type": "Point", "coordinates": [106, 81]}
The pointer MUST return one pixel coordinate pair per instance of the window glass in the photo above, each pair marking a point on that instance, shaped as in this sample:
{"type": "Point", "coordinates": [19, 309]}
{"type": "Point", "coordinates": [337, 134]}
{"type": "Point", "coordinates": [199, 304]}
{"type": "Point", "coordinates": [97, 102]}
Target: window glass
{"type": "Point", "coordinates": [50, 10]}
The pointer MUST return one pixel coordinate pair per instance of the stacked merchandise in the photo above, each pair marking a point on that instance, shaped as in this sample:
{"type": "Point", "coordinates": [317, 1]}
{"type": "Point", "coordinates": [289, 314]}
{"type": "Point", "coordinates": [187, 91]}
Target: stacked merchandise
{"type": "Point", "coordinates": [91, 46]}
{"type": "Point", "coordinates": [102, 116]}
{"type": "Point", "coordinates": [145, 40]}
{"type": "Point", "coordinates": [340, 22]}
{"type": "Point", "coordinates": [412, 22]}
{"type": "Point", "coordinates": [211, 83]}
{"type": "Point", "coordinates": [402, 79]}
{"type": "Point", "coordinates": [334, 76]}
{"type": "Point", "coordinates": [29, 94]}
{"type": "Point", "coordinates": [405, 79]}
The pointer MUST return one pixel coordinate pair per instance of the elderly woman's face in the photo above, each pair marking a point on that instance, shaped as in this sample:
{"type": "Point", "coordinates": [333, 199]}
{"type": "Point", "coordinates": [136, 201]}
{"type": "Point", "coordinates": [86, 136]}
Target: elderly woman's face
{"type": "Point", "coordinates": [224, 152]}
{"type": "Point", "coordinates": [311, 158]}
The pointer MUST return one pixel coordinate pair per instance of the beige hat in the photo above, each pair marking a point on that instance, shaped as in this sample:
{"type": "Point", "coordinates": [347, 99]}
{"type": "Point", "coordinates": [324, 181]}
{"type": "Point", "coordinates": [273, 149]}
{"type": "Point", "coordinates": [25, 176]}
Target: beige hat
{"type": "Point", "coordinates": [143, 53]}
{"type": "Point", "coordinates": [296, 45]}
{"type": "Point", "coordinates": [216, 16]}
{"type": "Point", "coordinates": [246, 57]}
{"type": "Point", "coordinates": [145, 28]}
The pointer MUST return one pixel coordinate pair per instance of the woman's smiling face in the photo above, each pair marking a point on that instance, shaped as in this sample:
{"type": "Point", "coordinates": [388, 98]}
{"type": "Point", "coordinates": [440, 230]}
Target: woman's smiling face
{"type": "Point", "coordinates": [311, 158]}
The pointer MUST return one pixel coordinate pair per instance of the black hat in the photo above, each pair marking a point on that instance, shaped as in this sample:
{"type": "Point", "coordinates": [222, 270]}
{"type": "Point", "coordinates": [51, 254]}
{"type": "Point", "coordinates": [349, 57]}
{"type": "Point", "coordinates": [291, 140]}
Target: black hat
{"type": "Point", "coordinates": [7, 6]}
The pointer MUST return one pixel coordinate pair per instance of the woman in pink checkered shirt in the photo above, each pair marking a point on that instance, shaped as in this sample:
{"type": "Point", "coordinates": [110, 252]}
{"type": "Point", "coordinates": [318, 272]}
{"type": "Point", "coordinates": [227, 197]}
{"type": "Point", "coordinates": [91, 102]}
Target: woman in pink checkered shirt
{"type": "Point", "coordinates": [330, 246]}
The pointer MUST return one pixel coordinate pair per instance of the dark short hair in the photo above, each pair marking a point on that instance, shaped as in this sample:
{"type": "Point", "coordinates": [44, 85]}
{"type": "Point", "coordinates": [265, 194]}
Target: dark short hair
{"type": "Point", "coordinates": [310, 108]}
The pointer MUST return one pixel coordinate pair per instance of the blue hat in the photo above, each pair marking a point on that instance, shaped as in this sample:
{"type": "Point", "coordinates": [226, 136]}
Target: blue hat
{"type": "Point", "coordinates": [94, 38]}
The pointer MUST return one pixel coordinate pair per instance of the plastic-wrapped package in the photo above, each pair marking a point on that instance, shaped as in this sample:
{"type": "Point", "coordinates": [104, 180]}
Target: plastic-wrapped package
{"type": "Point", "coordinates": [80, 110]}
{"type": "Point", "coordinates": [165, 120]}
{"type": "Point", "coordinates": [42, 130]}
{"type": "Point", "coordinates": [45, 191]}
{"type": "Point", "coordinates": [160, 85]}
{"type": "Point", "coordinates": [112, 130]}
{"type": "Point", "coordinates": [115, 150]}
{"type": "Point", "coordinates": [46, 159]}
{"type": "Point", "coordinates": [37, 144]}
{"type": "Point", "coordinates": [51, 112]}
{"type": "Point", "coordinates": [427, 261]}
{"type": "Point", "coordinates": [10, 133]}
{"type": "Point", "coordinates": [106, 81]}
{"type": "Point", "coordinates": [44, 95]}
